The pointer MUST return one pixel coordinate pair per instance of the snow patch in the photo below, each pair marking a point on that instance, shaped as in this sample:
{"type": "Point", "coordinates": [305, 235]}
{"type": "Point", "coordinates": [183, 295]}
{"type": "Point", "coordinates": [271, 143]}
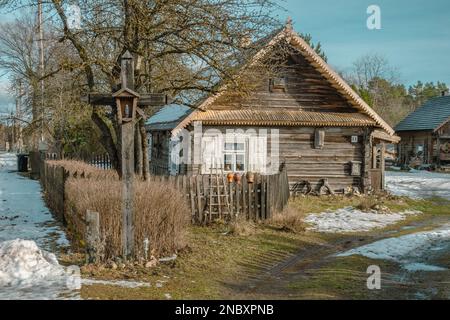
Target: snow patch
{"type": "Point", "coordinates": [417, 266]}
{"type": "Point", "coordinates": [27, 272]}
{"type": "Point", "coordinates": [353, 220]}
{"type": "Point", "coordinates": [120, 283]}
{"type": "Point", "coordinates": [8, 160]}
{"type": "Point", "coordinates": [419, 184]}
{"type": "Point", "coordinates": [409, 250]}
{"type": "Point", "coordinates": [22, 263]}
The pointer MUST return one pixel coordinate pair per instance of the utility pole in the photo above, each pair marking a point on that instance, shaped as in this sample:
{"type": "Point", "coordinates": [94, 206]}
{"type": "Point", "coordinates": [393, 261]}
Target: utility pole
{"type": "Point", "coordinates": [41, 63]}
{"type": "Point", "coordinates": [19, 117]}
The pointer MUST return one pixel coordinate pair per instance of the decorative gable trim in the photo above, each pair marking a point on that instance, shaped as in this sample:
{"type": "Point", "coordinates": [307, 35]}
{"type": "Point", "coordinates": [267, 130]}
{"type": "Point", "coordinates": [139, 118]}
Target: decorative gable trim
{"type": "Point", "coordinates": [316, 61]}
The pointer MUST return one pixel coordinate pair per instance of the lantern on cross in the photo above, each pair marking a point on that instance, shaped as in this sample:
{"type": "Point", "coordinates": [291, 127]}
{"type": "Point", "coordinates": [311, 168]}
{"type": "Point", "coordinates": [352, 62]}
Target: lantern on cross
{"type": "Point", "coordinates": [126, 102]}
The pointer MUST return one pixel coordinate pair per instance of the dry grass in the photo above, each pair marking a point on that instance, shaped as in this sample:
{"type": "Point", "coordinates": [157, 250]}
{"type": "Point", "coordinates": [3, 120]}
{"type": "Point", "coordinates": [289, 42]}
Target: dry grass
{"type": "Point", "coordinates": [367, 203]}
{"type": "Point", "coordinates": [243, 227]}
{"type": "Point", "coordinates": [161, 212]}
{"type": "Point", "coordinates": [288, 220]}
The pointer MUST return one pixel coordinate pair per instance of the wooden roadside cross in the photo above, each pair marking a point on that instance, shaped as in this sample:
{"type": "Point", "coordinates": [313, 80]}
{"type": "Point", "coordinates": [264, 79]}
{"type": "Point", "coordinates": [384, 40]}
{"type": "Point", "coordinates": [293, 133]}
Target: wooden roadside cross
{"type": "Point", "coordinates": [128, 103]}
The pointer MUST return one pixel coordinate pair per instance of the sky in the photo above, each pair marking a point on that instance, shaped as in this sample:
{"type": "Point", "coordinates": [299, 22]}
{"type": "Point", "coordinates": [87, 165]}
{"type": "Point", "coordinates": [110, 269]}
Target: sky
{"type": "Point", "coordinates": [414, 35]}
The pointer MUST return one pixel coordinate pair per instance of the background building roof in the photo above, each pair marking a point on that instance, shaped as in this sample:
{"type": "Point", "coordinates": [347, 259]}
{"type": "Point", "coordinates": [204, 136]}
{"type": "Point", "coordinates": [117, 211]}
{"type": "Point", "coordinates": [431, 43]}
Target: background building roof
{"type": "Point", "coordinates": [429, 116]}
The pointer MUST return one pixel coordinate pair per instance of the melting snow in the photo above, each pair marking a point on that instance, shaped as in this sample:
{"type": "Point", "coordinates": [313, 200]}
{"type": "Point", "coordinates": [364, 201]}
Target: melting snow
{"type": "Point", "coordinates": [23, 213]}
{"type": "Point", "coordinates": [419, 184]}
{"type": "Point", "coordinates": [409, 250]}
{"type": "Point", "coordinates": [8, 160]}
{"type": "Point", "coordinates": [353, 220]}
{"type": "Point", "coordinates": [27, 272]}
{"type": "Point", "coordinates": [120, 283]}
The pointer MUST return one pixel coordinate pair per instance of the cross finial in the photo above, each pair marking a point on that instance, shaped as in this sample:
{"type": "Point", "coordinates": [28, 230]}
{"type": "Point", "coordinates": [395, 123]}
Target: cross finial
{"type": "Point", "coordinates": [127, 55]}
{"type": "Point", "coordinates": [127, 71]}
{"type": "Point", "coordinates": [289, 24]}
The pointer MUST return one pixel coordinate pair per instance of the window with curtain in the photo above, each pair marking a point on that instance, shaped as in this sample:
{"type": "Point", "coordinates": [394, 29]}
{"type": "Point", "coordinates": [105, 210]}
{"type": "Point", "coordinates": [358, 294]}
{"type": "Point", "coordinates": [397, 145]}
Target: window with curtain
{"type": "Point", "coordinates": [238, 153]}
{"type": "Point", "coordinates": [234, 156]}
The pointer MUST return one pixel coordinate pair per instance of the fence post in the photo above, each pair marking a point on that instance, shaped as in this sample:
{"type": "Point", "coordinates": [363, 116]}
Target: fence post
{"type": "Point", "coordinates": [238, 191]}
{"type": "Point", "coordinates": [263, 215]}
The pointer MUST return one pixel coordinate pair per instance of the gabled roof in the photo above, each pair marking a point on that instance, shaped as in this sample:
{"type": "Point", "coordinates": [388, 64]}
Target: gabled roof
{"type": "Point", "coordinates": [430, 116]}
{"type": "Point", "coordinates": [289, 35]}
{"type": "Point", "coordinates": [125, 92]}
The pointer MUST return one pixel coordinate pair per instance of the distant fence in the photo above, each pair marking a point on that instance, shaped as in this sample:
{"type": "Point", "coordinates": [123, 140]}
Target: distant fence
{"type": "Point", "coordinates": [100, 161]}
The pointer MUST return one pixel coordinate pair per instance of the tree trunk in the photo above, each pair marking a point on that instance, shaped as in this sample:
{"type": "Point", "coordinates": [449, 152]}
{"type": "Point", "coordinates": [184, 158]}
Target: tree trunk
{"type": "Point", "coordinates": [108, 142]}
{"type": "Point", "coordinates": [137, 151]}
{"type": "Point", "coordinates": [144, 143]}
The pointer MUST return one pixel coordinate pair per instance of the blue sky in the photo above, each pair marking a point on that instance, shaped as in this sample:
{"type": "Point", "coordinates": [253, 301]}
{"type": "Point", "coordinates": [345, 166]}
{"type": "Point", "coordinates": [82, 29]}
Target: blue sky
{"type": "Point", "coordinates": [415, 35]}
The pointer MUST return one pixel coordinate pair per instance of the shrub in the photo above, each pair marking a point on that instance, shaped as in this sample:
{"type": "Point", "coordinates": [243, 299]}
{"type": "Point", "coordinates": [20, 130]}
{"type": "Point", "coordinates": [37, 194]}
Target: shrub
{"type": "Point", "coordinates": [161, 213]}
{"type": "Point", "coordinates": [289, 219]}
{"type": "Point", "coordinates": [366, 204]}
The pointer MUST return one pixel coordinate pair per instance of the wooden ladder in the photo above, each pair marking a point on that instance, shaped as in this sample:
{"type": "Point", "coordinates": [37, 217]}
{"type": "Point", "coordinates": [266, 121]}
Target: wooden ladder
{"type": "Point", "coordinates": [217, 201]}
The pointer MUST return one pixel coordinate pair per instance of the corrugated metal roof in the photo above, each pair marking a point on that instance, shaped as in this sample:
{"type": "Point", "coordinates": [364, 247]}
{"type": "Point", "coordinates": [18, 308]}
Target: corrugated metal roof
{"type": "Point", "coordinates": [427, 117]}
{"type": "Point", "coordinates": [168, 117]}
{"type": "Point", "coordinates": [282, 117]}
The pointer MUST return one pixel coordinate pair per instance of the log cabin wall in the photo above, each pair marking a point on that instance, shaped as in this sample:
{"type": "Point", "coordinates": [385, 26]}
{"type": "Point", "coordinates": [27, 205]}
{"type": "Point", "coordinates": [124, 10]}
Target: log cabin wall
{"type": "Point", "coordinates": [305, 89]}
{"type": "Point", "coordinates": [407, 148]}
{"type": "Point", "coordinates": [333, 161]}
{"type": "Point", "coordinates": [303, 161]}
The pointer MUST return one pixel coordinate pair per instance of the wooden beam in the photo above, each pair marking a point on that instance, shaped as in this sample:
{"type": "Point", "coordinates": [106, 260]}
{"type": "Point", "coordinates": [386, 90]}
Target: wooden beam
{"type": "Point", "coordinates": [383, 166]}
{"type": "Point", "coordinates": [127, 144]}
{"type": "Point", "coordinates": [106, 99]}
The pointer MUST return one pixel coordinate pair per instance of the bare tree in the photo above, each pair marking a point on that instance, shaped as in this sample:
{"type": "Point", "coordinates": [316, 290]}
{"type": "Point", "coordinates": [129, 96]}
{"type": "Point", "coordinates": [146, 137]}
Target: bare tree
{"type": "Point", "coordinates": [372, 66]}
{"type": "Point", "coordinates": [183, 47]}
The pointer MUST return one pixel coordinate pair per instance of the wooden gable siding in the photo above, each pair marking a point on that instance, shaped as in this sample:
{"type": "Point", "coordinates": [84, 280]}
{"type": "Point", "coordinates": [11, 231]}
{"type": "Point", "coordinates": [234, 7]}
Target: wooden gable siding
{"type": "Point", "coordinates": [306, 89]}
{"type": "Point", "coordinates": [332, 162]}
{"type": "Point", "coordinates": [445, 129]}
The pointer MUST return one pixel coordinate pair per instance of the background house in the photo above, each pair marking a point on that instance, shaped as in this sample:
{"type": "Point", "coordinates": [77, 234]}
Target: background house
{"type": "Point", "coordinates": [425, 134]}
{"type": "Point", "coordinates": [325, 130]}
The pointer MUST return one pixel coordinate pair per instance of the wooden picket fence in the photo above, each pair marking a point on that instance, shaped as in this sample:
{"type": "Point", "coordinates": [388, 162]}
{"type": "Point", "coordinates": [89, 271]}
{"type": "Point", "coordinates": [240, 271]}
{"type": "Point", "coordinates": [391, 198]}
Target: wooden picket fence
{"type": "Point", "coordinates": [253, 201]}
{"type": "Point", "coordinates": [101, 161]}
{"type": "Point", "coordinates": [53, 180]}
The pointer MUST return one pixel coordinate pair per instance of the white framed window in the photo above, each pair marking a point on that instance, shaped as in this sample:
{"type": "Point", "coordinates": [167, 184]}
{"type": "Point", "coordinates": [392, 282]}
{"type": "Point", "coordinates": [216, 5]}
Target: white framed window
{"type": "Point", "coordinates": [234, 155]}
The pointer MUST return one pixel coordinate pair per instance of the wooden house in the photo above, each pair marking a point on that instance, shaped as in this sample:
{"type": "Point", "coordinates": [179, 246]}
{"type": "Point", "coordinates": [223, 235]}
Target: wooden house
{"type": "Point", "coordinates": [319, 128]}
{"type": "Point", "coordinates": [425, 134]}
